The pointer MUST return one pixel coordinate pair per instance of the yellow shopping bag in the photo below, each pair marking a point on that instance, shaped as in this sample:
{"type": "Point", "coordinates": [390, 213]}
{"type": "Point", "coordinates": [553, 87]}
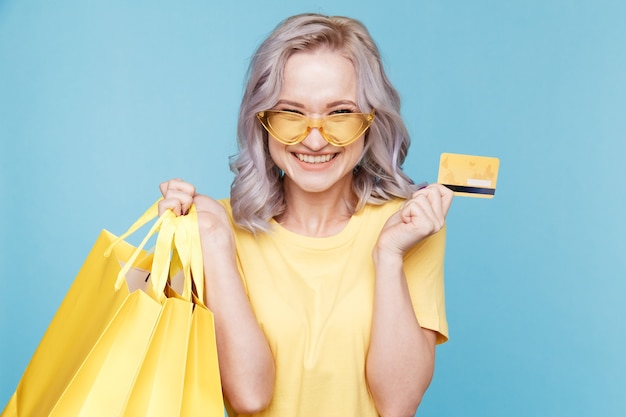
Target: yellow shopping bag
{"type": "Point", "coordinates": [202, 393]}
{"type": "Point", "coordinates": [118, 345]}
{"type": "Point", "coordinates": [180, 373]}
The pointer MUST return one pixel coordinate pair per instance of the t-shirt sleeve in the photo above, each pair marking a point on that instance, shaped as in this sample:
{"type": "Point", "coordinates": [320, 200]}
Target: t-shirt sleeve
{"type": "Point", "coordinates": [423, 267]}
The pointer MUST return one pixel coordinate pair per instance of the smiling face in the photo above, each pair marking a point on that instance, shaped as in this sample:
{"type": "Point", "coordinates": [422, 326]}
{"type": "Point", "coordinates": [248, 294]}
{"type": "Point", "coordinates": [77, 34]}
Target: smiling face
{"type": "Point", "coordinates": [316, 84]}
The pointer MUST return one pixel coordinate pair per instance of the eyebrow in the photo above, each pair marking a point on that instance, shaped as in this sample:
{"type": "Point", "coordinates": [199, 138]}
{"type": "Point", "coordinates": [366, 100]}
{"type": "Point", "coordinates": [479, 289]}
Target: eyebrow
{"type": "Point", "coordinates": [328, 106]}
{"type": "Point", "coordinates": [290, 103]}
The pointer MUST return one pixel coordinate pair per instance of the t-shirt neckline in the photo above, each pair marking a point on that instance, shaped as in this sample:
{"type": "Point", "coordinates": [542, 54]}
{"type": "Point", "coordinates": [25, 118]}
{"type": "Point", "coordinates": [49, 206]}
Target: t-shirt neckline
{"type": "Point", "coordinates": [343, 237]}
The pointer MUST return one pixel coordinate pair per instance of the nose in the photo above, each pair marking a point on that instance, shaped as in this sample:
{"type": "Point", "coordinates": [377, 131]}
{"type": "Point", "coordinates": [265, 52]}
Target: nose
{"type": "Point", "coordinates": [314, 140]}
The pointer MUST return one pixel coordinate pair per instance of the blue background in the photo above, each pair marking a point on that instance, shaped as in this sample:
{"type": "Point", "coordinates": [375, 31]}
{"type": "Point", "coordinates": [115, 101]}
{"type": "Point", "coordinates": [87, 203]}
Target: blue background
{"type": "Point", "coordinates": [102, 100]}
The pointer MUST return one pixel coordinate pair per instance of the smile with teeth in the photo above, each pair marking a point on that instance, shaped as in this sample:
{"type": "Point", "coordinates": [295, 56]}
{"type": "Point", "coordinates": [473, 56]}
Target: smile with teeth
{"type": "Point", "coordinates": [315, 159]}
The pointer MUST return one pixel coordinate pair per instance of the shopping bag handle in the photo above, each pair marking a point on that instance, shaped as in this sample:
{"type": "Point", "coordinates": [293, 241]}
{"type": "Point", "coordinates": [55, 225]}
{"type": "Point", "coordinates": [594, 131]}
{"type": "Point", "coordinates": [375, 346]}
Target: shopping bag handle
{"type": "Point", "coordinates": [197, 260]}
{"type": "Point", "coordinates": [186, 242]}
{"type": "Point", "coordinates": [144, 219]}
{"type": "Point", "coordinates": [165, 226]}
{"type": "Point", "coordinates": [162, 254]}
{"type": "Point", "coordinates": [182, 246]}
{"type": "Point", "coordinates": [163, 247]}
{"type": "Point", "coordinates": [189, 247]}
{"type": "Point", "coordinates": [174, 232]}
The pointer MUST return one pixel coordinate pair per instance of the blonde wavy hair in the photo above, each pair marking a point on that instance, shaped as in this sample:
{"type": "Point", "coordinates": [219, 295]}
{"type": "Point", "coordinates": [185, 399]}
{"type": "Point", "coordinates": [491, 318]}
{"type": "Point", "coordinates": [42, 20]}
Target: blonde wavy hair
{"type": "Point", "coordinates": [257, 189]}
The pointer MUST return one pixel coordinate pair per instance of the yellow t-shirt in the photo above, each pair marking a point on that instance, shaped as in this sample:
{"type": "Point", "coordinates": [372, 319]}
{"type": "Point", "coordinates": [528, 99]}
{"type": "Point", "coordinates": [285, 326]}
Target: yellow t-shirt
{"type": "Point", "coordinates": [313, 298]}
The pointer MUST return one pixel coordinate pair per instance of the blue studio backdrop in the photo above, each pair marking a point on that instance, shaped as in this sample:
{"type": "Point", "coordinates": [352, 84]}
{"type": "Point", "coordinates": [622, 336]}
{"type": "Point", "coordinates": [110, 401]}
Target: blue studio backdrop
{"type": "Point", "coordinates": [102, 100]}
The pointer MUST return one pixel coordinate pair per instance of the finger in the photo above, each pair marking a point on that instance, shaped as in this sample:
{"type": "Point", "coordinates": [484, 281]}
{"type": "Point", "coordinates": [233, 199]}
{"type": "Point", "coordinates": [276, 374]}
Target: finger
{"type": "Point", "coordinates": [177, 201]}
{"type": "Point", "coordinates": [170, 204]}
{"type": "Point", "coordinates": [163, 188]}
{"type": "Point", "coordinates": [419, 212]}
{"type": "Point", "coordinates": [446, 198]}
{"type": "Point", "coordinates": [177, 196]}
{"type": "Point", "coordinates": [177, 184]}
{"type": "Point", "coordinates": [439, 195]}
{"type": "Point", "coordinates": [186, 200]}
{"type": "Point", "coordinates": [433, 196]}
{"type": "Point", "coordinates": [429, 210]}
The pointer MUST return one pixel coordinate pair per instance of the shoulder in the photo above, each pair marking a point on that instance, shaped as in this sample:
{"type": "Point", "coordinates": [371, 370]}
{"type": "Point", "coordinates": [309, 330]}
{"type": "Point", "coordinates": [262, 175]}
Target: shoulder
{"type": "Point", "coordinates": [226, 203]}
{"type": "Point", "coordinates": [385, 209]}
{"type": "Point", "coordinates": [374, 213]}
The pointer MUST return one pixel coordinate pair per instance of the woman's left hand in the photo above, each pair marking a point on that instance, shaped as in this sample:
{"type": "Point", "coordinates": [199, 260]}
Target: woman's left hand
{"type": "Point", "coordinates": [422, 215]}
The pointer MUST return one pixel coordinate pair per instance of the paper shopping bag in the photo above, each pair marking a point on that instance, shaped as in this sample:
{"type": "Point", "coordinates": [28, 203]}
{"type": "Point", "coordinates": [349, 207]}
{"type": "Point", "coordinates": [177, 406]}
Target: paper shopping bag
{"type": "Point", "coordinates": [95, 357]}
{"type": "Point", "coordinates": [11, 408]}
{"type": "Point", "coordinates": [202, 394]}
{"type": "Point", "coordinates": [102, 382]}
{"type": "Point", "coordinates": [80, 320]}
{"type": "Point", "coordinates": [180, 373]}
{"type": "Point", "coordinates": [157, 389]}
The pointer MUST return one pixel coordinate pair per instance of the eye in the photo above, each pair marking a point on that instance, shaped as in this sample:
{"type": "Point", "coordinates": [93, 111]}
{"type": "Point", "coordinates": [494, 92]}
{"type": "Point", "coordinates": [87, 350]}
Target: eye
{"type": "Point", "coordinates": [290, 110]}
{"type": "Point", "coordinates": [342, 111]}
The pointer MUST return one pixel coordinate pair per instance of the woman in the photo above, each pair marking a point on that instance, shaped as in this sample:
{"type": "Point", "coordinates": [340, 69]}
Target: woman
{"type": "Point", "coordinates": [324, 269]}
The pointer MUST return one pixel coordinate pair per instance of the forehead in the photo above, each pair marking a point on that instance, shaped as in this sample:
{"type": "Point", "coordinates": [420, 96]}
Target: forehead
{"type": "Point", "coordinates": [319, 75]}
{"type": "Point", "coordinates": [319, 57]}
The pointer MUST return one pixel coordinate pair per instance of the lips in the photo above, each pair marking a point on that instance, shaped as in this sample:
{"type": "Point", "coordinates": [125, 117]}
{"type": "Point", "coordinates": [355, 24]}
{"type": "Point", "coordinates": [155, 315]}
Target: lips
{"type": "Point", "coordinates": [315, 159]}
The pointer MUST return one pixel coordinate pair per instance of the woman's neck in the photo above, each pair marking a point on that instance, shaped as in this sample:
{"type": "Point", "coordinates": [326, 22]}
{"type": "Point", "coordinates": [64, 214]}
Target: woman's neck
{"type": "Point", "coordinates": [317, 214]}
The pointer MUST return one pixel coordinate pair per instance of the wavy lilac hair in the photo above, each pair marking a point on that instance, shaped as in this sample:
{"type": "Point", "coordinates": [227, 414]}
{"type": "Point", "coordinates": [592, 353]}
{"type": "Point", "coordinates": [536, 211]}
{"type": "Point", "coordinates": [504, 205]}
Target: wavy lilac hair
{"type": "Point", "coordinates": [257, 189]}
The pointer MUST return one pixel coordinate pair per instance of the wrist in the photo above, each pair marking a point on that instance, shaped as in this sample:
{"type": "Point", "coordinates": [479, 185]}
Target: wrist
{"type": "Point", "coordinates": [386, 259]}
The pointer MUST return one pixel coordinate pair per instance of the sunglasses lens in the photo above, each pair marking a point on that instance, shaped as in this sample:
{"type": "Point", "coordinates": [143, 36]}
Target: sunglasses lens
{"type": "Point", "coordinates": [286, 127]}
{"type": "Point", "coordinates": [342, 129]}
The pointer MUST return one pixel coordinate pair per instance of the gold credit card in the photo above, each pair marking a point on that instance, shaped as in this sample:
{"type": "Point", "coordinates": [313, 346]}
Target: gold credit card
{"type": "Point", "coordinates": [469, 175]}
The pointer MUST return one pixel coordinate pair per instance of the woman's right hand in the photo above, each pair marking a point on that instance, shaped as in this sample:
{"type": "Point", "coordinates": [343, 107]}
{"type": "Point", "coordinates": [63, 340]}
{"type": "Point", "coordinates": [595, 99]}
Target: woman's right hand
{"type": "Point", "coordinates": [213, 221]}
{"type": "Point", "coordinates": [178, 196]}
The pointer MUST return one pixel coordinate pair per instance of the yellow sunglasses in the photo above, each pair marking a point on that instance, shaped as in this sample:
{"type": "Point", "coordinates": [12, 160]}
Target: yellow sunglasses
{"type": "Point", "coordinates": [339, 129]}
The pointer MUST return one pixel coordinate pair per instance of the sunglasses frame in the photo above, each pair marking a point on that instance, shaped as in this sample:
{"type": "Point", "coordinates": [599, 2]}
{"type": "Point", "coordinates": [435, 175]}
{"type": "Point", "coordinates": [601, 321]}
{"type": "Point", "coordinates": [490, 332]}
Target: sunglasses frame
{"type": "Point", "coordinates": [317, 123]}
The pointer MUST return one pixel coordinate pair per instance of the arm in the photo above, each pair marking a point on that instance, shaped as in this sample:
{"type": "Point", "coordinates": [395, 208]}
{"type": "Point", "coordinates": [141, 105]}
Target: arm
{"type": "Point", "coordinates": [401, 356]}
{"type": "Point", "coordinates": [245, 360]}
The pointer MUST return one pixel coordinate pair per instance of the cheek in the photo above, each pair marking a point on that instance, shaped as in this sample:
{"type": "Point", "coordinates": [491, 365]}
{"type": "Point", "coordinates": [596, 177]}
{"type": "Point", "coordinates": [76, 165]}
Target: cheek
{"type": "Point", "coordinates": [356, 151]}
{"type": "Point", "coordinates": [277, 152]}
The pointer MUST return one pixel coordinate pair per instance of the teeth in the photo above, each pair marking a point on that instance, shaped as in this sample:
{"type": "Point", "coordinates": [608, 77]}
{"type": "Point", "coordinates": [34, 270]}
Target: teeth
{"type": "Point", "coordinates": [318, 159]}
